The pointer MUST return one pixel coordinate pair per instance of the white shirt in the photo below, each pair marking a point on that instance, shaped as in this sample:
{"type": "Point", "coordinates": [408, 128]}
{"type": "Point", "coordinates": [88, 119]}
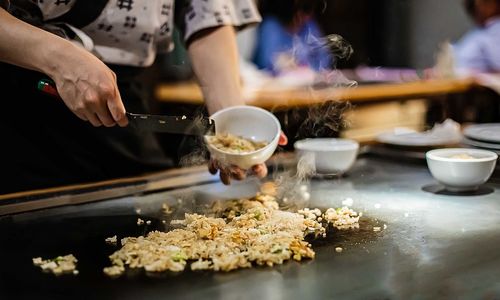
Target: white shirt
{"type": "Point", "coordinates": [479, 50]}
{"type": "Point", "coordinates": [130, 32]}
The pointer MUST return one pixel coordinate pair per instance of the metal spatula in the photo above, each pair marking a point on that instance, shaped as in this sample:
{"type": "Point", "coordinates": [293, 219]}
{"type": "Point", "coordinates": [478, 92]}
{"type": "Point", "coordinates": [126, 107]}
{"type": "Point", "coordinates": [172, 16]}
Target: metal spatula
{"type": "Point", "coordinates": [156, 123]}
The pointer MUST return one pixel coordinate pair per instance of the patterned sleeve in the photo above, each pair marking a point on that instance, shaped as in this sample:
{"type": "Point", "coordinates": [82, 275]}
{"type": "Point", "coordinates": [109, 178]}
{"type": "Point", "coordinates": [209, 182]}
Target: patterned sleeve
{"type": "Point", "coordinates": [199, 15]}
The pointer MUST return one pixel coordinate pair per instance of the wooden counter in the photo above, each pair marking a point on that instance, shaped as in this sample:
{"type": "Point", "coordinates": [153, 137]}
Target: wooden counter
{"type": "Point", "coordinates": [189, 93]}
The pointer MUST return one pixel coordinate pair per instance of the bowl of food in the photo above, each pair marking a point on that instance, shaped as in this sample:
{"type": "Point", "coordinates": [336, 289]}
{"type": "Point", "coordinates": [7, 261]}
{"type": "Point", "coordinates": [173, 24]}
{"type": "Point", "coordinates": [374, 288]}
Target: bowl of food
{"type": "Point", "coordinates": [461, 169]}
{"type": "Point", "coordinates": [327, 156]}
{"type": "Point", "coordinates": [245, 136]}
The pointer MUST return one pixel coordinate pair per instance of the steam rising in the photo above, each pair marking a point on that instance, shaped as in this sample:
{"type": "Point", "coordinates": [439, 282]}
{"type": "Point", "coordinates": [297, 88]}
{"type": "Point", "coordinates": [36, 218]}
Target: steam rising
{"type": "Point", "coordinates": [338, 46]}
{"type": "Point", "coordinates": [197, 157]}
{"type": "Point", "coordinates": [305, 167]}
{"type": "Point", "coordinates": [321, 120]}
{"type": "Point", "coordinates": [198, 154]}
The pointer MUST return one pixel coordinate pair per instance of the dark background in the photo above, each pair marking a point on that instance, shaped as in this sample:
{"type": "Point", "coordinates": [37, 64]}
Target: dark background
{"type": "Point", "coordinates": [394, 33]}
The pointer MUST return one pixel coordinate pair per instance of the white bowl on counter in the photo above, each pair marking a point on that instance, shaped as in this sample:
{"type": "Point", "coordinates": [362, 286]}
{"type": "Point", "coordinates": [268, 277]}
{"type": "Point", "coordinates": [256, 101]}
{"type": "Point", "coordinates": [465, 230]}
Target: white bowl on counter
{"type": "Point", "coordinates": [459, 174]}
{"type": "Point", "coordinates": [249, 122]}
{"type": "Point", "coordinates": [328, 156]}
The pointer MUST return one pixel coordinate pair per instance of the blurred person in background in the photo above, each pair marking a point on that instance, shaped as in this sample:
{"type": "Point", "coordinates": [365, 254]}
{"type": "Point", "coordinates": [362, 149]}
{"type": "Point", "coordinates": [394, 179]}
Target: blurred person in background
{"type": "Point", "coordinates": [477, 53]}
{"type": "Point", "coordinates": [94, 52]}
{"type": "Point", "coordinates": [289, 38]}
{"type": "Point", "coordinates": [479, 49]}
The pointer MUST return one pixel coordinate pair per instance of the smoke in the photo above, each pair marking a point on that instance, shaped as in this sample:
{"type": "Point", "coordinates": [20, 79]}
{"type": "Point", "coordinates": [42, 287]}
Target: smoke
{"type": "Point", "coordinates": [306, 167]}
{"type": "Point", "coordinates": [292, 190]}
{"type": "Point", "coordinates": [333, 78]}
{"type": "Point", "coordinates": [323, 120]}
{"type": "Point", "coordinates": [320, 120]}
{"type": "Point", "coordinates": [194, 146]}
{"type": "Point", "coordinates": [327, 119]}
{"type": "Point", "coordinates": [336, 44]}
{"type": "Point", "coordinates": [198, 156]}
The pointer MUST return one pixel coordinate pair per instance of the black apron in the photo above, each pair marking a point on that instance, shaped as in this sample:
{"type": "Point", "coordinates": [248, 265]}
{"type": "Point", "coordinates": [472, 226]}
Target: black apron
{"type": "Point", "coordinates": [43, 144]}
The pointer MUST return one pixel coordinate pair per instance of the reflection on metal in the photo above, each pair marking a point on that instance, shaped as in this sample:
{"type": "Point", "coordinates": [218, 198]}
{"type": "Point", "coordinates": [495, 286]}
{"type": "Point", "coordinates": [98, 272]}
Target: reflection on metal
{"type": "Point", "coordinates": [115, 189]}
{"type": "Point", "coordinates": [438, 189]}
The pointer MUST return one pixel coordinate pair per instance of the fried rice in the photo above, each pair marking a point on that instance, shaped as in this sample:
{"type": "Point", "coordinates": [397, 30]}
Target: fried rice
{"type": "Point", "coordinates": [240, 234]}
{"type": "Point", "coordinates": [234, 144]}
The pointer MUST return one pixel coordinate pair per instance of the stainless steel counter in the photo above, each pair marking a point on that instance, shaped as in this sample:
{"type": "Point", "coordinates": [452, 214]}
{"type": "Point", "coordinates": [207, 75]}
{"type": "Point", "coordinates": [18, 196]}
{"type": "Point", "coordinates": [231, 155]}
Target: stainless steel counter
{"type": "Point", "coordinates": [436, 245]}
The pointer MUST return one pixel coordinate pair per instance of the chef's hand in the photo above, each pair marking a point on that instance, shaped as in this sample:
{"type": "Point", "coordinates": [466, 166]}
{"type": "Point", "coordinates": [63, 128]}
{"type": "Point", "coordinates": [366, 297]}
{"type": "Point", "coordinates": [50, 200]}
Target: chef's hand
{"type": "Point", "coordinates": [88, 88]}
{"type": "Point", "coordinates": [227, 173]}
{"type": "Point", "coordinates": [85, 84]}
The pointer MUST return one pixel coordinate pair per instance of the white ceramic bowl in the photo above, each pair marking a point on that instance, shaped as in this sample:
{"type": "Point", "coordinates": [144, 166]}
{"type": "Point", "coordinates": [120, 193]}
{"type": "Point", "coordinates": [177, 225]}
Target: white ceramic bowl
{"type": "Point", "coordinates": [251, 123]}
{"type": "Point", "coordinates": [457, 174]}
{"type": "Point", "coordinates": [330, 156]}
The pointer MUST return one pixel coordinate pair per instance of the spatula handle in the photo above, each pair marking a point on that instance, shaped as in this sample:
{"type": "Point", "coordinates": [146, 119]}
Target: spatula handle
{"type": "Point", "coordinates": [48, 87]}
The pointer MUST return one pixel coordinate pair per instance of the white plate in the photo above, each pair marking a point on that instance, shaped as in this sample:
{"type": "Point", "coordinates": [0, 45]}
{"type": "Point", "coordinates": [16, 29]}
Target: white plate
{"type": "Point", "coordinates": [416, 139]}
{"type": "Point", "coordinates": [480, 144]}
{"type": "Point", "coordinates": [484, 132]}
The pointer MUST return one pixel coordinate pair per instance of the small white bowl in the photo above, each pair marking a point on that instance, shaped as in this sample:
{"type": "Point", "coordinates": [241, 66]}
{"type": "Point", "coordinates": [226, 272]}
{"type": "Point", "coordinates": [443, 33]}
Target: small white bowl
{"type": "Point", "coordinates": [329, 156]}
{"type": "Point", "coordinates": [460, 175]}
{"type": "Point", "coordinates": [249, 122]}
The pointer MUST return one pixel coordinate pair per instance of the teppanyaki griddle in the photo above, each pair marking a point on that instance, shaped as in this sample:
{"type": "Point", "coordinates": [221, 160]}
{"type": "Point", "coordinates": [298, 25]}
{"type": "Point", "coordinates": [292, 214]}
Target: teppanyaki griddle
{"type": "Point", "coordinates": [434, 245]}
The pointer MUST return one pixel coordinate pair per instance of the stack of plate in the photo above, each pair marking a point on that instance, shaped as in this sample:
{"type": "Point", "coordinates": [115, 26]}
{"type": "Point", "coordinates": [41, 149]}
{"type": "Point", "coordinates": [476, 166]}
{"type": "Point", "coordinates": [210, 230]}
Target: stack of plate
{"type": "Point", "coordinates": [403, 143]}
{"type": "Point", "coordinates": [483, 136]}
{"type": "Point", "coordinates": [418, 139]}
{"type": "Point", "coordinates": [441, 135]}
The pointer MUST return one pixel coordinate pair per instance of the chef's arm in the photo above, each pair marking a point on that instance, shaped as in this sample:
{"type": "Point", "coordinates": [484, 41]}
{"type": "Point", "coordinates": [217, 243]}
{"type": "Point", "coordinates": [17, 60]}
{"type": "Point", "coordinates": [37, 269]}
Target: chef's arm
{"type": "Point", "coordinates": [86, 85]}
{"type": "Point", "coordinates": [214, 56]}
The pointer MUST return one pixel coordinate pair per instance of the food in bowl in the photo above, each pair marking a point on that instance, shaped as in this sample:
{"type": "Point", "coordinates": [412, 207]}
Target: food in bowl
{"type": "Point", "coordinates": [462, 156]}
{"type": "Point", "coordinates": [327, 156]}
{"type": "Point", "coordinates": [461, 169]}
{"type": "Point", "coordinates": [231, 143]}
{"type": "Point", "coordinates": [252, 123]}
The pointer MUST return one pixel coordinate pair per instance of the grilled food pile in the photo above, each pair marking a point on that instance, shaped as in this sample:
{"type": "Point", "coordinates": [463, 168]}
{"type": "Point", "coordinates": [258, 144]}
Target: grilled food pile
{"type": "Point", "coordinates": [241, 233]}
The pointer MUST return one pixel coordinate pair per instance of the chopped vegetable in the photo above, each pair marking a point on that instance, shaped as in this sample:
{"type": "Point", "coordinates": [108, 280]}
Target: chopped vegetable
{"type": "Point", "coordinates": [58, 265]}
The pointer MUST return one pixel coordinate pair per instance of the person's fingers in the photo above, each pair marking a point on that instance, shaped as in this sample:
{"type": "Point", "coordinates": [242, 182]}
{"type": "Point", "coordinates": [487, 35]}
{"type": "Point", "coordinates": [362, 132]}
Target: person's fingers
{"type": "Point", "coordinates": [260, 170]}
{"type": "Point", "coordinates": [234, 172]}
{"type": "Point", "coordinates": [212, 167]}
{"type": "Point", "coordinates": [80, 113]}
{"type": "Point", "coordinates": [94, 110]}
{"type": "Point", "coordinates": [225, 176]}
{"type": "Point", "coordinates": [123, 121]}
{"type": "Point", "coordinates": [117, 109]}
{"type": "Point", "coordinates": [81, 117]}
{"type": "Point", "coordinates": [283, 139]}
{"type": "Point", "coordinates": [237, 173]}
{"type": "Point", "coordinates": [93, 119]}
{"type": "Point", "coordinates": [103, 114]}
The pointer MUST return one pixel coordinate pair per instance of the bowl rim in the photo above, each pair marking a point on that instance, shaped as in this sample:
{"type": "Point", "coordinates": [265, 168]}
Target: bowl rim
{"type": "Point", "coordinates": [433, 155]}
{"type": "Point", "coordinates": [246, 107]}
{"type": "Point", "coordinates": [302, 144]}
